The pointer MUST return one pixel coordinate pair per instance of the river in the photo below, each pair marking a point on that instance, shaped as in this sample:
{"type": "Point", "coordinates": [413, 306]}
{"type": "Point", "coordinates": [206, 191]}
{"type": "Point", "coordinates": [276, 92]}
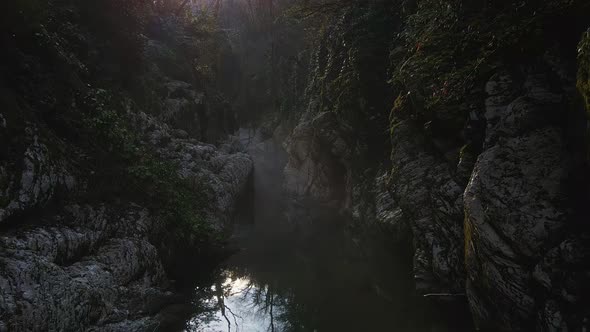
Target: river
{"type": "Point", "coordinates": [299, 267]}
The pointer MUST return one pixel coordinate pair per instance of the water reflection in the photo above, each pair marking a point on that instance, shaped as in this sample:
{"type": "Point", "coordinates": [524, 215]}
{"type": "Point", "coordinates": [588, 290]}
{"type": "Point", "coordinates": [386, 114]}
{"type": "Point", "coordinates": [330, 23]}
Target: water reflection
{"type": "Point", "coordinates": [241, 306]}
{"type": "Point", "coordinates": [326, 280]}
{"type": "Point", "coordinates": [310, 270]}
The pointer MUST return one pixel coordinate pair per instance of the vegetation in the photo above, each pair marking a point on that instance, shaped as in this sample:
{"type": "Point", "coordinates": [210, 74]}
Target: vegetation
{"type": "Point", "coordinates": [87, 73]}
{"type": "Point", "coordinates": [447, 49]}
{"type": "Point", "coordinates": [350, 74]}
{"type": "Point", "coordinates": [426, 61]}
{"type": "Point", "coordinates": [583, 82]}
{"type": "Point", "coordinates": [77, 71]}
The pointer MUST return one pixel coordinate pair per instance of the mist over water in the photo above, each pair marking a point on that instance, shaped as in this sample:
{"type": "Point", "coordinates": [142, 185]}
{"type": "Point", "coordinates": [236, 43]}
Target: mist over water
{"type": "Point", "coordinates": [443, 147]}
{"type": "Point", "coordinates": [299, 267]}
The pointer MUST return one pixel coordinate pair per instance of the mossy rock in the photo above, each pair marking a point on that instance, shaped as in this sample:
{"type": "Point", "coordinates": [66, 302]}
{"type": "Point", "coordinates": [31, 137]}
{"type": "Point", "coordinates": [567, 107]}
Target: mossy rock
{"type": "Point", "coordinates": [583, 81]}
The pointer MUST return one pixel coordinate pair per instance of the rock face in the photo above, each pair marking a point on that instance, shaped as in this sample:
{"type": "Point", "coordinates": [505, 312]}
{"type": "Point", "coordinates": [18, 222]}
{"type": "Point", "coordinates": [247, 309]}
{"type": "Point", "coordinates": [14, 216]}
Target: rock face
{"type": "Point", "coordinates": [38, 179]}
{"type": "Point", "coordinates": [224, 171]}
{"type": "Point", "coordinates": [419, 196]}
{"type": "Point", "coordinates": [96, 107]}
{"type": "Point", "coordinates": [319, 159]}
{"type": "Point", "coordinates": [500, 223]}
{"type": "Point", "coordinates": [87, 266]}
{"type": "Point", "coordinates": [374, 204]}
{"type": "Point", "coordinates": [184, 108]}
{"type": "Point", "coordinates": [431, 200]}
{"type": "Point", "coordinates": [100, 267]}
{"type": "Point", "coordinates": [518, 211]}
{"type": "Point", "coordinates": [201, 111]}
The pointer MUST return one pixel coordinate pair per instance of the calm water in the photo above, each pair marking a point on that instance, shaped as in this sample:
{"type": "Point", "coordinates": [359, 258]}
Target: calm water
{"type": "Point", "coordinates": [305, 270]}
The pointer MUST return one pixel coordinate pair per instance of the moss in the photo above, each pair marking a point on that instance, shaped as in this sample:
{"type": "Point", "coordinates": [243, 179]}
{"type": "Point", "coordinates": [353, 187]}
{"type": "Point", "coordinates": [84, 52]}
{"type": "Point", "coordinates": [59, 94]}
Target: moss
{"type": "Point", "coordinates": [466, 149]}
{"type": "Point", "coordinates": [583, 78]}
{"type": "Point", "coordinates": [349, 72]}
{"type": "Point", "coordinates": [447, 50]}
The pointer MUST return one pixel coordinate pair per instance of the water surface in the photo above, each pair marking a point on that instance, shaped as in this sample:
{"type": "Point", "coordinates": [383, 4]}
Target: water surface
{"type": "Point", "coordinates": [300, 267]}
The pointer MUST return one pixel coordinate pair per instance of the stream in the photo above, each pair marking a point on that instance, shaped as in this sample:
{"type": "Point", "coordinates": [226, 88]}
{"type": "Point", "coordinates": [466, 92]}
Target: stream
{"type": "Point", "coordinates": [306, 270]}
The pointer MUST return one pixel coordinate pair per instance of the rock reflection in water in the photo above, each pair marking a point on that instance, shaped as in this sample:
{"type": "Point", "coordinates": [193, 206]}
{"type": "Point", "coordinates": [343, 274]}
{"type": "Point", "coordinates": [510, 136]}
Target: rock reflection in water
{"type": "Point", "coordinates": [323, 280]}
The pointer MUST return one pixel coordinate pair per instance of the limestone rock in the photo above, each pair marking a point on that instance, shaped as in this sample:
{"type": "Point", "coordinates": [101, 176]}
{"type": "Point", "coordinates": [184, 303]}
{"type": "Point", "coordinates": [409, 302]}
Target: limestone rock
{"type": "Point", "coordinates": [224, 171]}
{"type": "Point", "coordinates": [35, 182]}
{"type": "Point", "coordinates": [72, 275]}
{"type": "Point", "coordinates": [516, 208]}
{"type": "Point", "coordinates": [430, 198]}
{"type": "Point", "coordinates": [318, 157]}
{"type": "Point", "coordinates": [96, 267]}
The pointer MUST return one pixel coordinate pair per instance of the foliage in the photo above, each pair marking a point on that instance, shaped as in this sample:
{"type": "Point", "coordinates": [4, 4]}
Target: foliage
{"type": "Point", "coordinates": [583, 81]}
{"type": "Point", "coordinates": [103, 121]}
{"type": "Point", "coordinates": [123, 167]}
{"type": "Point", "coordinates": [178, 202]}
{"type": "Point", "coordinates": [447, 49]}
{"type": "Point", "coordinates": [349, 70]}
{"type": "Point", "coordinates": [75, 67]}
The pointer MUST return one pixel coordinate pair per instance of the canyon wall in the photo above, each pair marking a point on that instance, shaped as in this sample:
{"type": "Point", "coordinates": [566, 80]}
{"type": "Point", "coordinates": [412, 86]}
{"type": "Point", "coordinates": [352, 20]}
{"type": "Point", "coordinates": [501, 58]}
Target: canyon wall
{"type": "Point", "coordinates": [107, 187]}
{"type": "Point", "coordinates": [471, 141]}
